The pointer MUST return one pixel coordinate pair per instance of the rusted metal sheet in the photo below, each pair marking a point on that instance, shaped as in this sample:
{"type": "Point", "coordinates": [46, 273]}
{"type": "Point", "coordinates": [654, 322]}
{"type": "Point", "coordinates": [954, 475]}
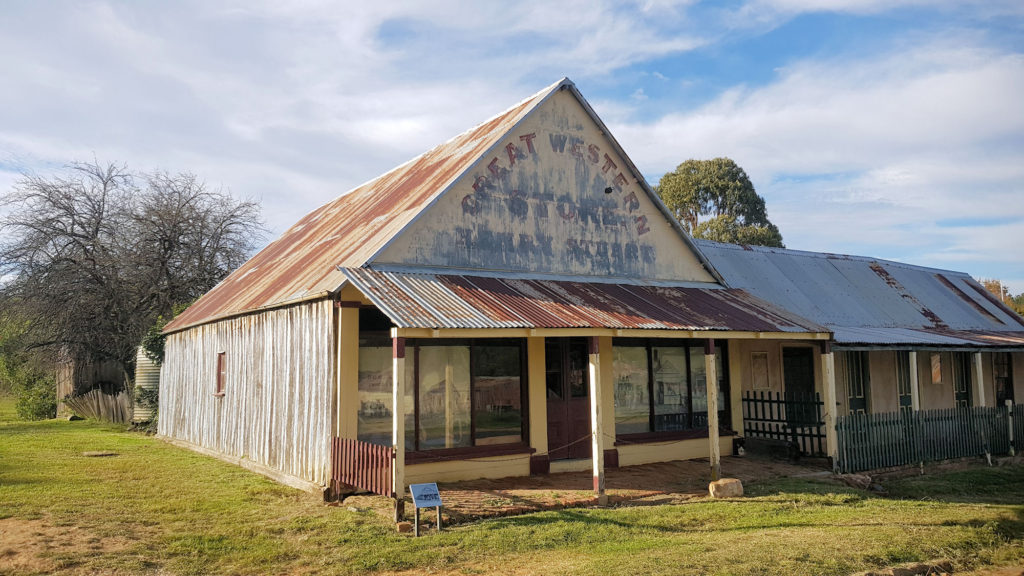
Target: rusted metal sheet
{"type": "Point", "coordinates": [276, 409]}
{"type": "Point", "coordinates": [349, 230]}
{"type": "Point", "coordinates": [870, 301]}
{"type": "Point", "coordinates": [414, 300]}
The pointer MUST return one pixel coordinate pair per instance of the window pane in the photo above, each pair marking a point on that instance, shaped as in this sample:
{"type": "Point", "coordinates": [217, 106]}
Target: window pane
{"type": "Point", "coordinates": [699, 387]}
{"type": "Point", "coordinates": [444, 397]}
{"type": "Point", "coordinates": [375, 395]}
{"type": "Point", "coordinates": [579, 369]}
{"type": "Point", "coordinates": [724, 409]}
{"type": "Point", "coordinates": [671, 397]}
{"type": "Point", "coordinates": [632, 401]}
{"type": "Point", "coordinates": [497, 394]}
{"type": "Point", "coordinates": [375, 386]}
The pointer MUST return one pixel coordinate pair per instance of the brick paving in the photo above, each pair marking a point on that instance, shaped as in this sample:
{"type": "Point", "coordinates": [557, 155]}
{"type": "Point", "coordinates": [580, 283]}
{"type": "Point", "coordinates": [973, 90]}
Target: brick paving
{"type": "Point", "coordinates": [660, 483]}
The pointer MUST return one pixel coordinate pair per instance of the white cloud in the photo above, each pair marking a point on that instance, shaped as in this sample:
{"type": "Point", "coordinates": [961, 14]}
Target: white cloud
{"type": "Point", "coordinates": [871, 155]}
{"type": "Point", "coordinates": [296, 102]}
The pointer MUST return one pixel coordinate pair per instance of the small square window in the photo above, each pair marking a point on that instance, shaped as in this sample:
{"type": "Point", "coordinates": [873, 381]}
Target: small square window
{"type": "Point", "coordinates": [936, 368]}
{"type": "Point", "coordinates": [759, 370]}
{"type": "Point", "coordinates": [221, 374]}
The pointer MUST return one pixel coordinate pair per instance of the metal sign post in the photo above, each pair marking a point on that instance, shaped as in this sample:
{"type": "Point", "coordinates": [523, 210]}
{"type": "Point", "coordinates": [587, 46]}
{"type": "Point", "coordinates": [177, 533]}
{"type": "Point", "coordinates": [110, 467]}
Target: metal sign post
{"type": "Point", "coordinates": [425, 496]}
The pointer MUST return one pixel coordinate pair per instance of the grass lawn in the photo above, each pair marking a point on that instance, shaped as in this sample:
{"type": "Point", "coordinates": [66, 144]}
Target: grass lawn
{"type": "Point", "coordinates": [157, 508]}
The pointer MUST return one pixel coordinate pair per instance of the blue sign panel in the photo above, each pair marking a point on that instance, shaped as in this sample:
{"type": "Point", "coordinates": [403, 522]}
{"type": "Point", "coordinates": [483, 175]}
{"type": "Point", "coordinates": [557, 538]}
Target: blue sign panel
{"type": "Point", "coordinates": [425, 495]}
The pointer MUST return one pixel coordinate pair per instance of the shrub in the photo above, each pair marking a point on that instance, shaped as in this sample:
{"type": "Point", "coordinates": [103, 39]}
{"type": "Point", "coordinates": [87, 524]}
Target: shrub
{"type": "Point", "coordinates": [37, 398]}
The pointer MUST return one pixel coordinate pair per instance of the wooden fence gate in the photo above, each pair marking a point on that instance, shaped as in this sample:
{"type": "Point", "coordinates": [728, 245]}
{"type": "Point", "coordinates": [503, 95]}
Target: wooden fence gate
{"type": "Point", "coordinates": [787, 417]}
{"type": "Point", "coordinates": [363, 465]}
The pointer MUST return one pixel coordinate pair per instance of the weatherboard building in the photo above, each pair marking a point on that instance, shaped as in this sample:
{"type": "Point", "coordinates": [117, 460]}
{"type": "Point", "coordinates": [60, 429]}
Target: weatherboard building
{"type": "Point", "coordinates": [515, 301]}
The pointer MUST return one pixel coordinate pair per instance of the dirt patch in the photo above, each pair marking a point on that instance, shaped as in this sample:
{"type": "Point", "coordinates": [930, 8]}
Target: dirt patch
{"type": "Point", "coordinates": [36, 546]}
{"type": "Point", "coordinates": [645, 485]}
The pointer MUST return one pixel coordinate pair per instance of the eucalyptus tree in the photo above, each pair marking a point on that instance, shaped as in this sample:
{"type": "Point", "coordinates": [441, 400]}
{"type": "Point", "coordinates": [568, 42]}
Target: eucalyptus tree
{"type": "Point", "coordinates": [715, 199]}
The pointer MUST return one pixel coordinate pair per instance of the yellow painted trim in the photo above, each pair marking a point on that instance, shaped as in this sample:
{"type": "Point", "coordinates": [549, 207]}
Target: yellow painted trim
{"type": "Point", "coordinates": [537, 394]}
{"type": "Point", "coordinates": [611, 332]}
{"type": "Point", "coordinates": [348, 371]}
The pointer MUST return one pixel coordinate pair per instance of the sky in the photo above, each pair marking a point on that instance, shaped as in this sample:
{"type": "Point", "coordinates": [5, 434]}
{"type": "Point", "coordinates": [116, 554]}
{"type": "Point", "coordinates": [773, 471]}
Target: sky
{"type": "Point", "coordinates": [884, 128]}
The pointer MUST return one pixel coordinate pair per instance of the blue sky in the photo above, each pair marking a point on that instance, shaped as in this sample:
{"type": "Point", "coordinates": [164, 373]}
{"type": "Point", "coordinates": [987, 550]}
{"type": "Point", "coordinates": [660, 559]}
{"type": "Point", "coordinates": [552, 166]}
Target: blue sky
{"type": "Point", "coordinates": [892, 128]}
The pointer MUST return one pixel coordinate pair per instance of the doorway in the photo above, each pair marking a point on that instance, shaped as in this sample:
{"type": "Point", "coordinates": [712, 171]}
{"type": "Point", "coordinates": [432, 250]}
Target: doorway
{"type": "Point", "coordinates": [798, 379]}
{"type": "Point", "coordinates": [567, 377]}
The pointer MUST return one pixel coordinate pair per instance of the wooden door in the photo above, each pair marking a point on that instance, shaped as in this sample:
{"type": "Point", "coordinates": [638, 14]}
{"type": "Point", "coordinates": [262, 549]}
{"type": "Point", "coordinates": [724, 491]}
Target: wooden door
{"type": "Point", "coordinates": [903, 369]}
{"type": "Point", "coordinates": [568, 398]}
{"type": "Point", "coordinates": [1002, 369]}
{"type": "Point", "coordinates": [858, 382]}
{"type": "Point", "coordinates": [798, 379]}
{"type": "Point", "coordinates": [962, 380]}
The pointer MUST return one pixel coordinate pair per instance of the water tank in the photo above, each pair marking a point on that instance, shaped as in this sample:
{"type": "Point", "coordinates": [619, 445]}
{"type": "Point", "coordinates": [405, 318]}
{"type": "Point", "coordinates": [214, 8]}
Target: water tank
{"type": "Point", "coordinates": [147, 377]}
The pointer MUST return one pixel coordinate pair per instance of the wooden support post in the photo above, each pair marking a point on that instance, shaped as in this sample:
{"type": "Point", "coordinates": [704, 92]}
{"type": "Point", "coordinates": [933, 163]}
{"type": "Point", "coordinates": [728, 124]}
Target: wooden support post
{"type": "Point", "coordinates": [915, 383]}
{"type": "Point", "coordinates": [828, 385]}
{"type": "Point", "coordinates": [1009, 422]}
{"type": "Point", "coordinates": [538, 404]}
{"type": "Point", "coordinates": [711, 371]}
{"type": "Point", "coordinates": [979, 382]}
{"type": "Point", "coordinates": [596, 426]}
{"type": "Point", "coordinates": [398, 423]}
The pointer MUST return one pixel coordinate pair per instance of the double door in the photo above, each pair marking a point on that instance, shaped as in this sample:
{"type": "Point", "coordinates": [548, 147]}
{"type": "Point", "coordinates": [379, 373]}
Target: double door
{"type": "Point", "coordinates": [567, 374]}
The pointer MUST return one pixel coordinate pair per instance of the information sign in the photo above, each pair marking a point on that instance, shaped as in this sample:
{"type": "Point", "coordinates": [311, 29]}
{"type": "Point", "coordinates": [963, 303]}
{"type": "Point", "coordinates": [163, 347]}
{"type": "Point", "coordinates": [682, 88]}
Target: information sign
{"type": "Point", "coordinates": [425, 495]}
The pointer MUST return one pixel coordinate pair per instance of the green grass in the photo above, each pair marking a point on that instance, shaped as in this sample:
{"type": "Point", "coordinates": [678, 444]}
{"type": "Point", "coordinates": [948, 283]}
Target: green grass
{"type": "Point", "coordinates": [154, 507]}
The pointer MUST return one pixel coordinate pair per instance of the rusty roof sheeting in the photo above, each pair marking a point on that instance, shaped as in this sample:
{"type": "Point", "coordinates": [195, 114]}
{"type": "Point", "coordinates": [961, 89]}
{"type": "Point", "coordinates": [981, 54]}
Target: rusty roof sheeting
{"type": "Point", "coordinates": [303, 263]}
{"type": "Point", "coordinates": [868, 301]}
{"type": "Point", "coordinates": [414, 300]}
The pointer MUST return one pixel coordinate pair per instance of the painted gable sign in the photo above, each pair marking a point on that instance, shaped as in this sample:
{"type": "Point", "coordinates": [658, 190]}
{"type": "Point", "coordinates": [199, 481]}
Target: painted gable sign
{"type": "Point", "coordinates": [553, 197]}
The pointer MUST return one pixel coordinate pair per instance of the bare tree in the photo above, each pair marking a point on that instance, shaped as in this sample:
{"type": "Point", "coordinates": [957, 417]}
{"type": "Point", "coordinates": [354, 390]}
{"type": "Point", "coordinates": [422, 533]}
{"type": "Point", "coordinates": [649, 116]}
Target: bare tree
{"type": "Point", "coordinates": [92, 257]}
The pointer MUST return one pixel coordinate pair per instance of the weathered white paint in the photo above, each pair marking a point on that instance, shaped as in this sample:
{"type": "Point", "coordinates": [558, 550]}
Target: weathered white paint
{"type": "Point", "coordinates": [915, 383]}
{"type": "Point", "coordinates": [538, 203]}
{"type": "Point", "coordinates": [979, 380]}
{"type": "Point", "coordinates": [712, 387]}
{"type": "Point", "coordinates": [398, 421]}
{"type": "Point", "coordinates": [596, 421]}
{"type": "Point", "coordinates": [828, 385]}
{"type": "Point", "coordinates": [276, 409]}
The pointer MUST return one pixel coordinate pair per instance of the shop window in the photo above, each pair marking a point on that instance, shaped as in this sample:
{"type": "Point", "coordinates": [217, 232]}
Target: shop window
{"type": "Point", "coordinates": [459, 393]}
{"type": "Point", "coordinates": [661, 386]}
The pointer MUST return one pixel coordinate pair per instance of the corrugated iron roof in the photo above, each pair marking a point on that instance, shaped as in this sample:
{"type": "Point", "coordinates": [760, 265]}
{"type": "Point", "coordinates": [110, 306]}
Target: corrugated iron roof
{"type": "Point", "coordinates": [303, 263]}
{"type": "Point", "coordinates": [870, 301]}
{"type": "Point", "coordinates": [436, 301]}
{"type": "Point", "coordinates": [352, 229]}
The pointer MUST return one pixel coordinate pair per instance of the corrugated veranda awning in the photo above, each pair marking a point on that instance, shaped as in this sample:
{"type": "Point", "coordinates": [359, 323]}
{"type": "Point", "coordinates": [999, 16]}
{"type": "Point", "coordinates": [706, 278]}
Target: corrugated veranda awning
{"type": "Point", "coordinates": [440, 301]}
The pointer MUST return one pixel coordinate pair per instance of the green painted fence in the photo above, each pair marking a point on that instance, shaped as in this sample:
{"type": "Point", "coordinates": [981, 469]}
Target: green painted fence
{"type": "Point", "coordinates": [873, 441]}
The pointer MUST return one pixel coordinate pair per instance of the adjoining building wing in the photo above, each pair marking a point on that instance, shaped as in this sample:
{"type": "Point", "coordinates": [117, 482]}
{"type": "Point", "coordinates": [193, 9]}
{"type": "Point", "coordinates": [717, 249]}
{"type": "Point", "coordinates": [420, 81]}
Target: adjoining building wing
{"type": "Point", "coordinates": [871, 302]}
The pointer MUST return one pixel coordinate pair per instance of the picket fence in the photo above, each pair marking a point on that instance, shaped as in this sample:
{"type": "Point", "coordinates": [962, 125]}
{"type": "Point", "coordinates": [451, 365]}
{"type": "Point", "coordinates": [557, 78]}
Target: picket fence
{"type": "Point", "coordinates": [874, 441]}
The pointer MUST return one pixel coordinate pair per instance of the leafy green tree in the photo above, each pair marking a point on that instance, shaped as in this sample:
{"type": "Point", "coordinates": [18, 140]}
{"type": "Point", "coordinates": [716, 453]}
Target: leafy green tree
{"type": "Point", "coordinates": [23, 375]}
{"type": "Point", "coordinates": [714, 199]}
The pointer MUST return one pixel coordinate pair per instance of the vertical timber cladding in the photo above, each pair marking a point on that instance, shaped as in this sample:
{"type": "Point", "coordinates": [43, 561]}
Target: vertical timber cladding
{"type": "Point", "coordinates": [276, 409]}
{"type": "Point", "coordinates": [553, 197]}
